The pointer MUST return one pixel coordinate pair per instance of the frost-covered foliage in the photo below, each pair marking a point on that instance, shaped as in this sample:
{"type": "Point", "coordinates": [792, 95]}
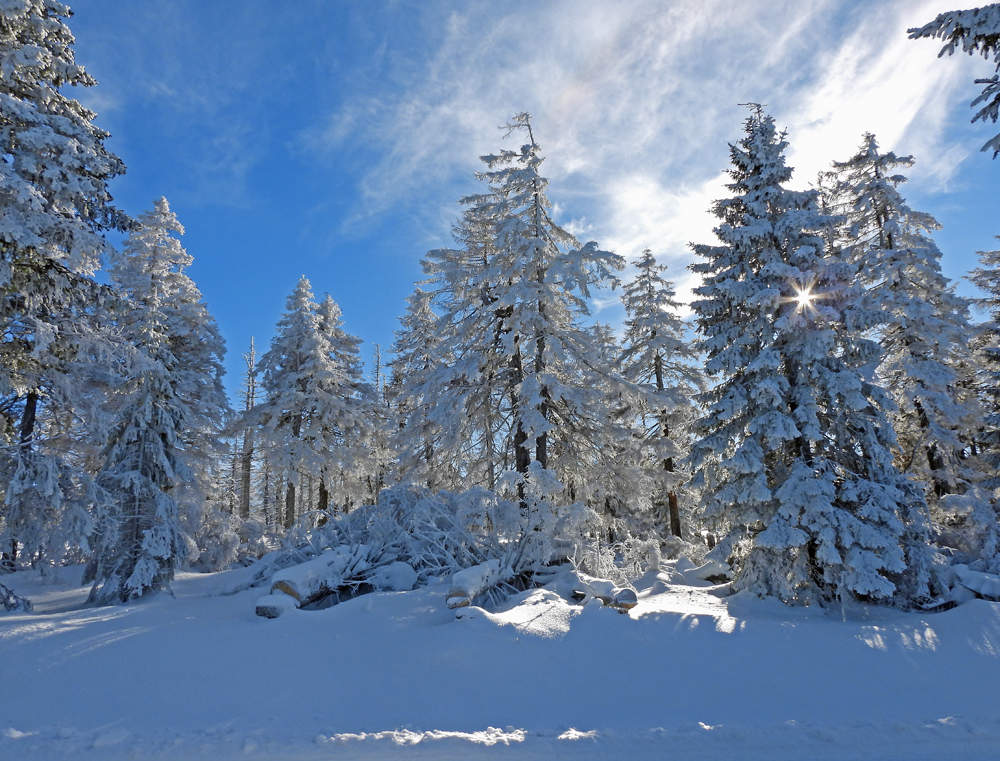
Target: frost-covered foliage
{"type": "Point", "coordinates": [415, 436]}
{"type": "Point", "coordinates": [624, 561]}
{"type": "Point", "coordinates": [658, 357]}
{"type": "Point", "coordinates": [982, 517]}
{"type": "Point", "coordinates": [10, 601]}
{"type": "Point", "coordinates": [978, 31]}
{"type": "Point", "coordinates": [54, 205]}
{"type": "Point", "coordinates": [512, 385]}
{"type": "Point", "coordinates": [794, 450]}
{"type": "Point", "coordinates": [987, 344]}
{"type": "Point", "coordinates": [438, 534]}
{"type": "Point", "coordinates": [923, 326]}
{"type": "Point", "coordinates": [317, 422]}
{"type": "Point", "coordinates": [55, 168]}
{"type": "Point", "coordinates": [168, 411]}
{"type": "Point", "coordinates": [138, 541]}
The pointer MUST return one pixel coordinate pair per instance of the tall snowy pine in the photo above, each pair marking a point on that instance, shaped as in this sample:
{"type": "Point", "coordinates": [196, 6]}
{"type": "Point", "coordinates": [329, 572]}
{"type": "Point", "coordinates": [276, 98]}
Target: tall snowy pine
{"type": "Point", "coordinates": [794, 450]}
{"type": "Point", "coordinates": [414, 392]}
{"type": "Point", "coordinates": [54, 205]}
{"type": "Point", "coordinates": [657, 355]}
{"type": "Point", "coordinates": [511, 304]}
{"type": "Point", "coordinates": [923, 326]}
{"type": "Point", "coordinates": [315, 424]}
{"type": "Point", "coordinates": [169, 411]}
{"type": "Point", "coordinates": [984, 519]}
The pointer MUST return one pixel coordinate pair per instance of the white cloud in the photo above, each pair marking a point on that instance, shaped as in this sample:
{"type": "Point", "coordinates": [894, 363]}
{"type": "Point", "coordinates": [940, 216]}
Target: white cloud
{"type": "Point", "coordinates": [634, 104]}
{"type": "Point", "coordinates": [880, 81]}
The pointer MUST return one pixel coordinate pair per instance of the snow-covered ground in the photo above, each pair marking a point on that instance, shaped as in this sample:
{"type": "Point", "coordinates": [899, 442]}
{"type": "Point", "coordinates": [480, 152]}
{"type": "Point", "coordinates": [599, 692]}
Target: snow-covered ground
{"type": "Point", "coordinates": [685, 675]}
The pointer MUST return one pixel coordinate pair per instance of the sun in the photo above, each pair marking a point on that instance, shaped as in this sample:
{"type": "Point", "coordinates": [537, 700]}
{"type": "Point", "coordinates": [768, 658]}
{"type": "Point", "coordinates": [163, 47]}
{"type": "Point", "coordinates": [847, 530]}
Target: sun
{"type": "Point", "coordinates": [804, 299]}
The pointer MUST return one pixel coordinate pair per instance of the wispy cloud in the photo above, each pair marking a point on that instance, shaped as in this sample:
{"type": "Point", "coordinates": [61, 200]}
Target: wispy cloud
{"type": "Point", "coordinates": [634, 103]}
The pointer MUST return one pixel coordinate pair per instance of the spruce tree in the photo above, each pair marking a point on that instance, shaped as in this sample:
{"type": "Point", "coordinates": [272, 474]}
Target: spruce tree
{"type": "Point", "coordinates": [54, 206]}
{"type": "Point", "coordinates": [315, 423]}
{"type": "Point", "coordinates": [169, 410]}
{"type": "Point", "coordinates": [413, 393]}
{"type": "Point", "coordinates": [540, 278]}
{"type": "Point", "coordinates": [978, 31]}
{"type": "Point", "coordinates": [923, 325]}
{"type": "Point", "coordinates": [793, 452]}
{"type": "Point", "coordinates": [658, 356]}
{"type": "Point", "coordinates": [984, 518]}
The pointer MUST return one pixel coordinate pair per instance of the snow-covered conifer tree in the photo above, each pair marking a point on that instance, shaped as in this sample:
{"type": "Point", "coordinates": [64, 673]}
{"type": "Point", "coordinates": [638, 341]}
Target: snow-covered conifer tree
{"type": "Point", "coordinates": [540, 278]}
{"type": "Point", "coordinates": [987, 278]}
{"type": "Point", "coordinates": [794, 450]}
{"type": "Point", "coordinates": [249, 393]}
{"type": "Point", "coordinates": [923, 325]}
{"type": "Point", "coordinates": [415, 360]}
{"type": "Point", "coordinates": [657, 355]}
{"type": "Point", "coordinates": [978, 31]}
{"type": "Point", "coordinates": [54, 204]}
{"type": "Point", "coordinates": [169, 412]}
{"type": "Point", "coordinates": [984, 519]}
{"type": "Point", "coordinates": [460, 391]}
{"type": "Point", "coordinates": [316, 421]}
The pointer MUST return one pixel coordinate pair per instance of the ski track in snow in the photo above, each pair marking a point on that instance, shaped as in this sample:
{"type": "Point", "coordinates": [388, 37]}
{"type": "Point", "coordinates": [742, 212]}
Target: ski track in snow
{"type": "Point", "coordinates": [686, 674]}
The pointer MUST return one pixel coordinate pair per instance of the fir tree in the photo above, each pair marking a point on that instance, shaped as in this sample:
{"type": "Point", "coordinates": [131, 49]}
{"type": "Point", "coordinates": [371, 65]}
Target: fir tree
{"type": "Point", "coordinates": [54, 205]}
{"type": "Point", "coordinates": [316, 422]}
{"type": "Point", "coordinates": [415, 361]}
{"type": "Point", "coordinates": [794, 450]}
{"type": "Point", "coordinates": [539, 279]}
{"type": "Point", "coordinates": [249, 402]}
{"type": "Point", "coordinates": [169, 411]}
{"type": "Point", "coordinates": [512, 385]}
{"type": "Point", "coordinates": [657, 355]}
{"type": "Point", "coordinates": [978, 31]}
{"type": "Point", "coordinates": [923, 325]}
{"type": "Point", "coordinates": [983, 519]}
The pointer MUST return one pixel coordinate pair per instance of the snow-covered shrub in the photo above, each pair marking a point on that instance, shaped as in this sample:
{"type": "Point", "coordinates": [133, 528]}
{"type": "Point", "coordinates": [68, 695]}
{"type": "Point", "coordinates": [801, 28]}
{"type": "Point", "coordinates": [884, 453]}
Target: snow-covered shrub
{"type": "Point", "coordinates": [10, 601]}
{"type": "Point", "coordinates": [969, 529]}
{"type": "Point", "coordinates": [622, 561]}
{"type": "Point", "coordinates": [255, 541]}
{"type": "Point", "coordinates": [216, 540]}
{"type": "Point", "coordinates": [673, 547]}
{"type": "Point", "coordinates": [440, 534]}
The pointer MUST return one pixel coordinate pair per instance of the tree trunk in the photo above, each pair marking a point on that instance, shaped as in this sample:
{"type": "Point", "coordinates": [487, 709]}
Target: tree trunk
{"type": "Point", "coordinates": [675, 514]}
{"type": "Point", "coordinates": [8, 558]}
{"type": "Point", "coordinates": [28, 421]}
{"type": "Point", "coordinates": [290, 505]}
{"type": "Point", "coordinates": [542, 442]}
{"type": "Point", "coordinates": [324, 496]}
{"type": "Point", "coordinates": [246, 464]}
{"type": "Point", "coordinates": [673, 510]}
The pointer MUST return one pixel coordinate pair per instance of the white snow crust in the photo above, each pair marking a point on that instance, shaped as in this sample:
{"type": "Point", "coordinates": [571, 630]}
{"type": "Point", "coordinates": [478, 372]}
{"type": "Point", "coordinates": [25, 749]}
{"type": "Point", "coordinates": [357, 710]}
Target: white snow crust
{"type": "Point", "coordinates": [687, 673]}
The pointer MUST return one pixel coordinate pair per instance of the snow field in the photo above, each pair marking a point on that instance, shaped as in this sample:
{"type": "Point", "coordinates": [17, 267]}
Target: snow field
{"type": "Point", "coordinates": [685, 674]}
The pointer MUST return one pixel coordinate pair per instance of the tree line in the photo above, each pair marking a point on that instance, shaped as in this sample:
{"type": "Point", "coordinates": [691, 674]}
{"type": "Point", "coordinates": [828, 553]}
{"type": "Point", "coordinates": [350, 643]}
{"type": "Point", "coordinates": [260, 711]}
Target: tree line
{"type": "Point", "coordinates": [827, 422]}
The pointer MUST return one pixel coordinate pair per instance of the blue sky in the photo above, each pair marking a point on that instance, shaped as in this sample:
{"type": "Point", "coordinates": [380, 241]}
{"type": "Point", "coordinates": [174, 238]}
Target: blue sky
{"type": "Point", "coordinates": [334, 139]}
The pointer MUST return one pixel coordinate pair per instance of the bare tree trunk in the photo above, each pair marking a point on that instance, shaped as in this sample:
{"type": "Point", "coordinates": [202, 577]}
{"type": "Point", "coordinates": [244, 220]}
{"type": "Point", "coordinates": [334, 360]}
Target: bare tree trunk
{"type": "Point", "coordinates": [8, 558]}
{"type": "Point", "coordinates": [542, 443]}
{"type": "Point", "coordinates": [250, 394]}
{"type": "Point", "coordinates": [324, 496]}
{"type": "Point", "coordinates": [675, 514]}
{"type": "Point", "coordinates": [522, 458]}
{"type": "Point", "coordinates": [290, 505]}
{"type": "Point", "coordinates": [28, 421]}
{"type": "Point", "coordinates": [246, 467]}
{"type": "Point", "coordinates": [673, 510]}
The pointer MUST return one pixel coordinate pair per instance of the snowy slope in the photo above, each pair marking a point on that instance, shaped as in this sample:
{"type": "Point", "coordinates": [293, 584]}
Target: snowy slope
{"type": "Point", "coordinates": [685, 674]}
